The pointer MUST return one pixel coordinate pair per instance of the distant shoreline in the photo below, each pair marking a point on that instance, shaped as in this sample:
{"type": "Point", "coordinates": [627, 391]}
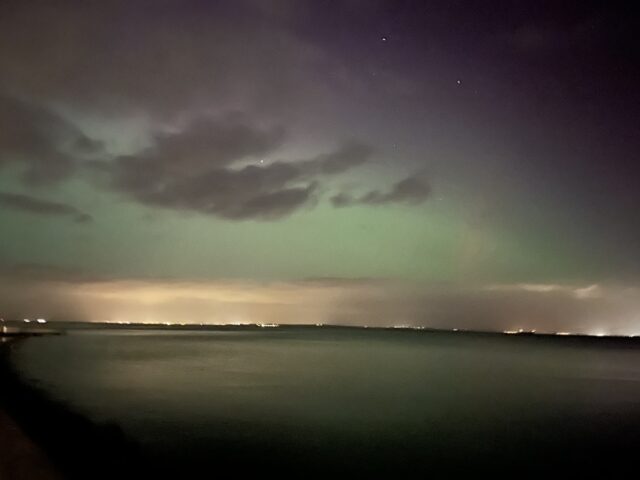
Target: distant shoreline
{"type": "Point", "coordinates": [58, 327]}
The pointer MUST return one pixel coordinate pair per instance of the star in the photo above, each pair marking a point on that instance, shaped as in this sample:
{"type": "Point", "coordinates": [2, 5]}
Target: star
{"type": "Point", "coordinates": [459, 82]}
{"type": "Point", "coordinates": [384, 39]}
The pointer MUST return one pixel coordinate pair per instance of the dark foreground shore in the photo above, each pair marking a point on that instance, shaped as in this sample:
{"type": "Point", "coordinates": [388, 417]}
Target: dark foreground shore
{"type": "Point", "coordinates": [21, 458]}
{"type": "Point", "coordinates": [44, 439]}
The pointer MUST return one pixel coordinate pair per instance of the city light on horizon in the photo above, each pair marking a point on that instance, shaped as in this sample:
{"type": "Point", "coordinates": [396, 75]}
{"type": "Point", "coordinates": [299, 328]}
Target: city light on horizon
{"type": "Point", "coordinates": [390, 304]}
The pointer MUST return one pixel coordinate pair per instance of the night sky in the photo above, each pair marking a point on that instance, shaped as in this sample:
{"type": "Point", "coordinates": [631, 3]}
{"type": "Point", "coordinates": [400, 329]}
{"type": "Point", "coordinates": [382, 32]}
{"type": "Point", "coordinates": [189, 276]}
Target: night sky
{"type": "Point", "coordinates": [441, 163]}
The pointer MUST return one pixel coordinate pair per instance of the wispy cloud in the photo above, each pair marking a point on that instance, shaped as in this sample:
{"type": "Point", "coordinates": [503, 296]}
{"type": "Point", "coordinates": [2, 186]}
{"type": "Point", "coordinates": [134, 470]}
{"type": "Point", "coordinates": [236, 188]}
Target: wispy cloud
{"type": "Point", "coordinates": [37, 206]}
{"type": "Point", "coordinates": [411, 190]}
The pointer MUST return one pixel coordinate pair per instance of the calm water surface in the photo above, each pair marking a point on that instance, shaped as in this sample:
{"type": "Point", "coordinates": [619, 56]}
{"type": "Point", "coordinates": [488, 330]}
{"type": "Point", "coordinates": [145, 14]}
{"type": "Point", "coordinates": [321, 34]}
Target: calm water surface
{"type": "Point", "coordinates": [347, 396]}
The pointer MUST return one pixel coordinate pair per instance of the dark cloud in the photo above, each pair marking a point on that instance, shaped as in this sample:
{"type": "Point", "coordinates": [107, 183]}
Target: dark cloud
{"type": "Point", "coordinates": [411, 190]}
{"type": "Point", "coordinates": [343, 200]}
{"type": "Point", "coordinates": [207, 141]}
{"type": "Point", "coordinates": [163, 58]}
{"type": "Point", "coordinates": [273, 205]}
{"type": "Point", "coordinates": [85, 146]}
{"type": "Point", "coordinates": [203, 168]}
{"type": "Point", "coordinates": [26, 203]}
{"type": "Point", "coordinates": [42, 142]}
{"type": "Point", "coordinates": [350, 155]}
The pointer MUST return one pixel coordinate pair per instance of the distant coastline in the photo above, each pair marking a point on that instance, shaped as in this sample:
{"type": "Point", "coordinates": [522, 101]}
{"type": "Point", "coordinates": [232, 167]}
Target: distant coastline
{"type": "Point", "coordinates": [58, 327]}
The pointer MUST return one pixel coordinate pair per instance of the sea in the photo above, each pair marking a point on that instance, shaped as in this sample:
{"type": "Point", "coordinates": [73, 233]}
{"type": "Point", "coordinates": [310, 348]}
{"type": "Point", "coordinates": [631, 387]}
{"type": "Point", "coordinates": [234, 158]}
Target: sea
{"type": "Point", "coordinates": [322, 400]}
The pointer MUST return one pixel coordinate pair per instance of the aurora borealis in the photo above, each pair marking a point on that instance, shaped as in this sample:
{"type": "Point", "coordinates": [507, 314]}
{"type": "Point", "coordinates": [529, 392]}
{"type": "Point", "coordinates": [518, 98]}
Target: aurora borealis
{"type": "Point", "coordinates": [442, 149]}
